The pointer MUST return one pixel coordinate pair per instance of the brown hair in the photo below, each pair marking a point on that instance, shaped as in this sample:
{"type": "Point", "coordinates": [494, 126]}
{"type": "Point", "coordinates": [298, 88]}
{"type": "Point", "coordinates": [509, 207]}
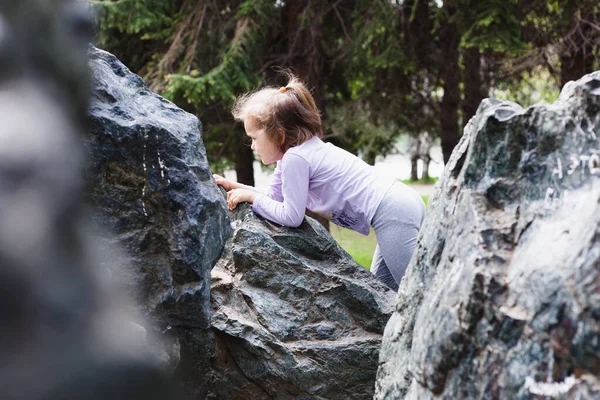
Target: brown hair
{"type": "Point", "coordinates": [288, 115]}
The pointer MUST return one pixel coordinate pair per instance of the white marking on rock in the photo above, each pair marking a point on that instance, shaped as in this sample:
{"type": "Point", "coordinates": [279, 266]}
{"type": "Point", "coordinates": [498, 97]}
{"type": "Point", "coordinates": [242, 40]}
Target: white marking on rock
{"type": "Point", "coordinates": [558, 170]}
{"type": "Point", "coordinates": [552, 389]}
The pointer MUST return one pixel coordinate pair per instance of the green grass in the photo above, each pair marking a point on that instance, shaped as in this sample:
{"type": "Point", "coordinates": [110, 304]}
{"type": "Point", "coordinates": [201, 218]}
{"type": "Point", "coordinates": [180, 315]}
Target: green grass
{"type": "Point", "coordinates": [360, 247]}
{"type": "Point", "coordinates": [423, 181]}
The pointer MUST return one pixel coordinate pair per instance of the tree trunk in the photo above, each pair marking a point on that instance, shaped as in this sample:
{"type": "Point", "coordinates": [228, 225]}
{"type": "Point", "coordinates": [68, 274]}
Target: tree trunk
{"type": "Point", "coordinates": [451, 75]}
{"type": "Point", "coordinates": [419, 31]}
{"type": "Point", "coordinates": [425, 147]}
{"type": "Point", "coordinates": [425, 175]}
{"type": "Point", "coordinates": [574, 66]}
{"type": "Point", "coordinates": [474, 92]}
{"type": "Point", "coordinates": [370, 157]}
{"type": "Point", "coordinates": [244, 163]}
{"type": "Point", "coordinates": [415, 153]}
{"type": "Point", "coordinates": [305, 45]}
{"type": "Point", "coordinates": [576, 63]}
{"type": "Point", "coordinates": [487, 72]}
{"type": "Point", "coordinates": [414, 170]}
{"type": "Point", "coordinates": [578, 58]}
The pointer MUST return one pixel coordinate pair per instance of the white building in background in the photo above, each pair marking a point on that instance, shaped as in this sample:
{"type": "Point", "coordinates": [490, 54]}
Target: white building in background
{"type": "Point", "coordinates": [395, 165]}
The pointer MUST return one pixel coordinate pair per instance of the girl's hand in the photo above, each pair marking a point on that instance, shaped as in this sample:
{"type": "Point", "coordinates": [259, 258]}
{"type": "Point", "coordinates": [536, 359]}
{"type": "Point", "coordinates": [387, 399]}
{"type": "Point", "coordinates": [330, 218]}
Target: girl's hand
{"type": "Point", "coordinates": [226, 183]}
{"type": "Point", "coordinates": [236, 196]}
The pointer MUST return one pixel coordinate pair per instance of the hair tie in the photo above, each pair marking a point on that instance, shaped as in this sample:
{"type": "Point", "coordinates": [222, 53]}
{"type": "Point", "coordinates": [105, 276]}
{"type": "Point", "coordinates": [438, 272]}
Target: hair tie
{"type": "Point", "coordinates": [283, 89]}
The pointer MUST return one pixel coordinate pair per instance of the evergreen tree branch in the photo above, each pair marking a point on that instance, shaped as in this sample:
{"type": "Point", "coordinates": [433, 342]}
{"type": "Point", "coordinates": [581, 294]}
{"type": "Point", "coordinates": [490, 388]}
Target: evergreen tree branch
{"type": "Point", "coordinates": [237, 71]}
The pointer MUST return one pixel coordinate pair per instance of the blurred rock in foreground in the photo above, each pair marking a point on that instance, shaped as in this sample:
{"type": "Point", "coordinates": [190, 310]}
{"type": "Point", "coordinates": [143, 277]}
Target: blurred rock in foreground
{"type": "Point", "coordinates": [294, 316]}
{"type": "Point", "coordinates": [502, 297]}
{"type": "Point", "coordinates": [63, 333]}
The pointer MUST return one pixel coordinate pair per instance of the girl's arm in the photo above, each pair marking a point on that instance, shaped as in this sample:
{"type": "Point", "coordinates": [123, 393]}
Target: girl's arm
{"type": "Point", "coordinates": [238, 192]}
{"type": "Point", "coordinates": [275, 190]}
{"type": "Point", "coordinates": [229, 185]}
{"type": "Point", "coordinates": [288, 206]}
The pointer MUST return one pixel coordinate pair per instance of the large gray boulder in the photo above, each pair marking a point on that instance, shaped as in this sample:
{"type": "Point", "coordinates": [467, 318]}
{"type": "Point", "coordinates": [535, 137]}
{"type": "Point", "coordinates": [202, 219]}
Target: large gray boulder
{"type": "Point", "coordinates": [502, 297]}
{"type": "Point", "coordinates": [151, 189]}
{"type": "Point", "coordinates": [294, 316]}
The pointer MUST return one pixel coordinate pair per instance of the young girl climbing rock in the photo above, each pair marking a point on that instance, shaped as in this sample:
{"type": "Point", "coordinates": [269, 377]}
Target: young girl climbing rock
{"type": "Point", "coordinates": [285, 128]}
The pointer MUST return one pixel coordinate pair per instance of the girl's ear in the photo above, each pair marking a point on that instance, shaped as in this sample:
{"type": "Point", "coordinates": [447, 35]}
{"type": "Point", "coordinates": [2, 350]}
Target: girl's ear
{"type": "Point", "coordinates": [281, 139]}
{"type": "Point", "coordinates": [281, 136]}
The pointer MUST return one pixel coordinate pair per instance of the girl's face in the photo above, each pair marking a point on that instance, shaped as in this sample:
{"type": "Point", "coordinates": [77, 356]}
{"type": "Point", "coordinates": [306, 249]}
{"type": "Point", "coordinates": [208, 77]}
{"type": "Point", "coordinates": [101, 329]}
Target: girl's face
{"type": "Point", "coordinates": [268, 151]}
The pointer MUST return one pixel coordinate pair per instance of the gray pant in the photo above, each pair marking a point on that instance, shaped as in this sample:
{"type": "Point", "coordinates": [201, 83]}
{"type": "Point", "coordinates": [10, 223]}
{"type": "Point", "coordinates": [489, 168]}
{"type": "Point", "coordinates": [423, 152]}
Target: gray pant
{"type": "Point", "coordinates": [396, 222]}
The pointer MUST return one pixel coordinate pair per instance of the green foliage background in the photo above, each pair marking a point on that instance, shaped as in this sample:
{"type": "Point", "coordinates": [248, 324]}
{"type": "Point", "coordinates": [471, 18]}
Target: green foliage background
{"type": "Point", "coordinates": [379, 66]}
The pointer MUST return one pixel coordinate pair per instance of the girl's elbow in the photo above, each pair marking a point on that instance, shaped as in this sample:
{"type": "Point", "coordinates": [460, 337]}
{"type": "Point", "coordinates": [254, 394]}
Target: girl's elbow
{"type": "Point", "coordinates": [295, 221]}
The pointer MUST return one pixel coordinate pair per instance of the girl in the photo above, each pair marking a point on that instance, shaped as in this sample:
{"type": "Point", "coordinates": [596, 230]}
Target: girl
{"type": "Point", "coordinates": [285, 127]}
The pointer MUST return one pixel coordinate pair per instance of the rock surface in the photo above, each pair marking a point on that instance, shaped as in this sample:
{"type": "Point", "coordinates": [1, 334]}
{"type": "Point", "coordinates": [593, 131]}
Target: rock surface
{"type": "Point", "coordinates": [294, 316]}
{"type": "Point", "coordinates": [502, 297]}
{"type": "Point", "coordinates": [150, 185]}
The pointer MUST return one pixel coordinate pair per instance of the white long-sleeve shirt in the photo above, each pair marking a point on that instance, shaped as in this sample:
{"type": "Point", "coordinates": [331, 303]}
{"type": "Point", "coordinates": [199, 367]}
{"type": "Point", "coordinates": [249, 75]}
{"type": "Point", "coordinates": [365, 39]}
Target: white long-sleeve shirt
{"type": "Point", "coordinates": [328, 181]}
